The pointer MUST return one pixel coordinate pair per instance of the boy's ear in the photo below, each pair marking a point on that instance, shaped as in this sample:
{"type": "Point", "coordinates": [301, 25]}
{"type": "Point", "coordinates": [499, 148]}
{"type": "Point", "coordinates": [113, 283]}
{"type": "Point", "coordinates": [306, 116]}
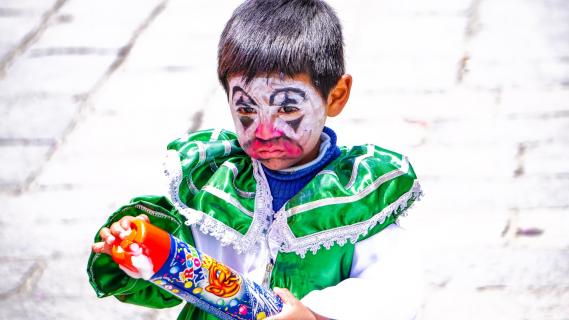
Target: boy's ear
{"type": "Point", "coordinates": [338, 96]}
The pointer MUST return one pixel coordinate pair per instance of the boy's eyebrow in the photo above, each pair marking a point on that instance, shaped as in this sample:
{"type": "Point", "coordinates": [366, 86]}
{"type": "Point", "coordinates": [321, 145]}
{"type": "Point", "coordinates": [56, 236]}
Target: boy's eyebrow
{"type": "Point", "coordinates": [298, 91]}
{"type": "Point", "coordinates": [236, 89]}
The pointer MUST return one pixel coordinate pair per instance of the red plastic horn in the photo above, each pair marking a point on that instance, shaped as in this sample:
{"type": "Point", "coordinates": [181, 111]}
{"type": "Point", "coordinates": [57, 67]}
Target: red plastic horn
{"type": "Point", "coordinates": [154, 242]}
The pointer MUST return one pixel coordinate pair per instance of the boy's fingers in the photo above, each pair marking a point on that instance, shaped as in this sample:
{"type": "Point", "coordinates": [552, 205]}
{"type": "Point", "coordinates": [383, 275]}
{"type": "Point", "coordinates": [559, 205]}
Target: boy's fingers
{"type": "Point", "coordinates": [285, 295]}
{"type": "Point", "coordinates": [98, 247]}
{"type": "Point", "coordinates": [101, 247]}
{"type": "Point", "coordinates": [143, 217]}
{"type": "Point", "coordinates": [117, 230]}
{"type": "Point", "coordinates": [106, 235]}
{"type": "Point", "coordinates": [125, 222]}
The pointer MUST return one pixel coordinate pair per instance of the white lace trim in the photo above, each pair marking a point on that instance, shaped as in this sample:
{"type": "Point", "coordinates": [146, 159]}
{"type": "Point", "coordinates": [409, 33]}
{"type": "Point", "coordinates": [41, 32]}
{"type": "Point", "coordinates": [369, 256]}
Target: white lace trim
{"type": "Point", "coordinates": [211, 226]}
{"type": "Point", "coordinates": [207, 224]}
{"type": "Point", "coordinates": [282, 233]}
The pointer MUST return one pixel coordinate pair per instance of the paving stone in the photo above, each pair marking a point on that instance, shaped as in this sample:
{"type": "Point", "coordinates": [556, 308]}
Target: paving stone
{"type": "Point", "coordinates": [35, 116]}
{"type": "Point", "coordinates": [37, 307]}
{"type": "Point", "coordinates": [512, 267]}
{"type": "Point", "coordinates": [18, 27]}
{"type": "Point", "coordinates": [496, 59]}
{"type": "Point", "coordinates": [457, 228]}
{"type": "Point", "coordinates": [13, 275]}
{"type": "Point", "coordinates": [181, 92]}
{"type": "Point", "coordinates": [18, 162]}
{"type": "Point", "coordinates": [72, 75]}
{"type": "Point", "coordinates": [109, 24]}
{"type": "Point", "coordinates": [543, 159]}
{"type": "Point", "coordinates": [545, 104]}
{"type": "Point", "coordinates": [495, 303]}
{"type": "Point", "coordinates": [427, 107]}
{"type": "Point", "coordinates": [540, 228]}
{"type": "Point", "coordinates": [17, 20]}
{"type": "Point", "coordinates": [54, 218]}
{"type": "Point", "coordinates": [539, 192]}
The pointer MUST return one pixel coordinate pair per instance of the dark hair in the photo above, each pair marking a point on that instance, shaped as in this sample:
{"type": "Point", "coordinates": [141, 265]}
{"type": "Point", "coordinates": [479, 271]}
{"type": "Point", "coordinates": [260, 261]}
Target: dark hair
{"type": "Point", "coordinates": [287, 37]}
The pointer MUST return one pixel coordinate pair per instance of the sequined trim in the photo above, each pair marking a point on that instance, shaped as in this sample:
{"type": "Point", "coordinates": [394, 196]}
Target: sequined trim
{"type": "Point", "coordinates": [227, 198]}
{"type": "Point", "coordinates": [366, 191]}
{"type": "Point", "coordinates": [282, 233]}
{"type": "Point", "coordinates": [235, 170]}
{"type": "Point", "coordinates": [201, 159]}
{"type": "Point", "coordinates": [357, 162]}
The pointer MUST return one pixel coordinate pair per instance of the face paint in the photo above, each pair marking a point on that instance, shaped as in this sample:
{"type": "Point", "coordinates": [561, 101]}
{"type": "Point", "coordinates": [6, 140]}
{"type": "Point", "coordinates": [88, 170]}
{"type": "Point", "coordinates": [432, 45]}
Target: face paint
{"type": "Point", "coordinates": [278, 121]}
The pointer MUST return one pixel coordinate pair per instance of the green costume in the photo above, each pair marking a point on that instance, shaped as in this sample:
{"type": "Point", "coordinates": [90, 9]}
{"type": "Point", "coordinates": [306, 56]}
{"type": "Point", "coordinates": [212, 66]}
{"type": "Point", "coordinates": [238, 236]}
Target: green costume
{"type": "Point", "coordinates": [215, 185]}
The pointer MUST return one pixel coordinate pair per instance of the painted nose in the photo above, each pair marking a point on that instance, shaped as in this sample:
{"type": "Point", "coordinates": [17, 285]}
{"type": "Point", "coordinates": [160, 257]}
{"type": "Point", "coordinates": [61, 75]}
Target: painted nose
{"type": "Point", "coordinates": [266, 131]}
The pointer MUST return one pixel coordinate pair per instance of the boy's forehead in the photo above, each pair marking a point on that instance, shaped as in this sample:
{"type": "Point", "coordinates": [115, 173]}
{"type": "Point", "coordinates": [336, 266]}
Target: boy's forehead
{"type": "Point", "coordinates": [266, 84]}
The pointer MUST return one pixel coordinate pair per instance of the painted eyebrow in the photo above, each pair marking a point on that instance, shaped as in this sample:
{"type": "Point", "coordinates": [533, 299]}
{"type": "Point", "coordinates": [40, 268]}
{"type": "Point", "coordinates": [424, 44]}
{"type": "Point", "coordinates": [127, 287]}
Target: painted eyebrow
{"type": "Point", "coordinates": [298, 91]}
{"type": "Point", "coordinates": [236, 89]}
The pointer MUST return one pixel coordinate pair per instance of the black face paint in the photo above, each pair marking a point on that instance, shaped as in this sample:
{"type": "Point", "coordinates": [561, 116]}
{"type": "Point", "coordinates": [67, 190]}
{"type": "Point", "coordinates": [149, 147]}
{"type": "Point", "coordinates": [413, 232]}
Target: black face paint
{"type": "Point", "coordinates": [286, 90]}
{"type": "Point", "coordinates": [246, 122]}
{"type": "Point", "coordinates": [250, 100]}
{"type": "Point", "coordinates": [295, 123]}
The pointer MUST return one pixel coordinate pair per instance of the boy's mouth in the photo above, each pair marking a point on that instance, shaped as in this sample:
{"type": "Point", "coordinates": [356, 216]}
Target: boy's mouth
{"type": "Point", "coordinates": [274, 148]}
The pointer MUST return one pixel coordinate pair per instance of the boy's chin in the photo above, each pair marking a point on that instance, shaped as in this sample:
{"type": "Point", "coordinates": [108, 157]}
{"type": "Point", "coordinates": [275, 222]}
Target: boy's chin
{"type": "Point", "coordinates": [278, 164]}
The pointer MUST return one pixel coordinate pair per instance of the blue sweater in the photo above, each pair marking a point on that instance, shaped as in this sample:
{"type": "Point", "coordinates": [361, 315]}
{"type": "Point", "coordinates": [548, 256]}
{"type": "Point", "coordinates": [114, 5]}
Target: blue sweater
{"type": "Point", "coordinates": [286, 183]}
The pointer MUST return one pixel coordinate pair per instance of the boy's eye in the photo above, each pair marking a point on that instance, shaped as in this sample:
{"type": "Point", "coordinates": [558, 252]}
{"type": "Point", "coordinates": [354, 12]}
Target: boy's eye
{"type": "Point", "coordinates": [246, 110]}
{"type": "Point", "coordinates": [288, 109]}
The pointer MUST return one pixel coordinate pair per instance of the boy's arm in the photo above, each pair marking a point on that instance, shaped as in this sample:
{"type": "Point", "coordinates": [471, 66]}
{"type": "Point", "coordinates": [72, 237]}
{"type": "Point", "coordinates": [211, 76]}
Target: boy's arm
{"type": "Point", "coordinates": [385, 281]}
{"type": "Point", "coordinates": [109, 280]}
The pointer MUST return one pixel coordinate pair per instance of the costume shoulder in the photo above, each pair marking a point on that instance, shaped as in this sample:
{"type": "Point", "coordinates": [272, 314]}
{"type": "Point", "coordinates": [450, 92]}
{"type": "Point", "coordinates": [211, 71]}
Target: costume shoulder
{"type": "Point", "coordinates": [212, 184]}
{"type": "Point", "coordinates": [356, 196]}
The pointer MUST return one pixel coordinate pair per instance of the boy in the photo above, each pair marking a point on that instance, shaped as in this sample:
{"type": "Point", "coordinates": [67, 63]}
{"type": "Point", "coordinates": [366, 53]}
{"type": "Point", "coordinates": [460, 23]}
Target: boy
{"type": "Point", "coordinates": [279, 202]}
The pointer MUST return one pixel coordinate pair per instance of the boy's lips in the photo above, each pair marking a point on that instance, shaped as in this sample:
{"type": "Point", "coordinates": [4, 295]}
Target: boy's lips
{"type": "Point", "coordinates": [269, 153]}
{"type": "Point", "coordinates": [282, 148]}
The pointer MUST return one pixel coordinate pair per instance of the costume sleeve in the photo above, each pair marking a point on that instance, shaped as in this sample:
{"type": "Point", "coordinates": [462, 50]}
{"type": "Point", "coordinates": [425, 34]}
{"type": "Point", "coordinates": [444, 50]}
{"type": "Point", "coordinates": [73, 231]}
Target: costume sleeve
{"type": "Point", "coordinates": [385, 281]}
{"type": "Point", "coordinates": [109, 280]}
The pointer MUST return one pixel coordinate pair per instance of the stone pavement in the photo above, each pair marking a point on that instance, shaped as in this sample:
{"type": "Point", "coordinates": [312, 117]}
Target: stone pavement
{"type": "Point", "coordinates": [475, 92]}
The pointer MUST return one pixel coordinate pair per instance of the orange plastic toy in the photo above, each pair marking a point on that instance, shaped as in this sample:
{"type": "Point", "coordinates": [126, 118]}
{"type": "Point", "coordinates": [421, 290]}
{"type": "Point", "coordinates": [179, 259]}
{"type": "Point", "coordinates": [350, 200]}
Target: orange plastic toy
{"type": "Point", "coordinates": [153, 241]}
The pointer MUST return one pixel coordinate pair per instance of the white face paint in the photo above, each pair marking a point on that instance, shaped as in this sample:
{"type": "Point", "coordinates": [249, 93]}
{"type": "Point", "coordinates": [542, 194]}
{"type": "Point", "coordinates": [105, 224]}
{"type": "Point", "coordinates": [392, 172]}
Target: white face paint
{"type": "Point", "coordinates": [278, 121]}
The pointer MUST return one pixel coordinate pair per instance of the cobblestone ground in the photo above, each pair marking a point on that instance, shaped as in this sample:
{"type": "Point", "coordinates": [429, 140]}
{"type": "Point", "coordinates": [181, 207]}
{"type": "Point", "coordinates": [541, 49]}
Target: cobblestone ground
{"type": "Point", "coordinates": [475, 92]}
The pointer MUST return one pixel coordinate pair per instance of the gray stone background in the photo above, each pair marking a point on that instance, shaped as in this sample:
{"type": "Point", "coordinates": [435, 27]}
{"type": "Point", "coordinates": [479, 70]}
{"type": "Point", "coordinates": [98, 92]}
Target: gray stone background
{"type": "Point", "coordinates": [474, 92]}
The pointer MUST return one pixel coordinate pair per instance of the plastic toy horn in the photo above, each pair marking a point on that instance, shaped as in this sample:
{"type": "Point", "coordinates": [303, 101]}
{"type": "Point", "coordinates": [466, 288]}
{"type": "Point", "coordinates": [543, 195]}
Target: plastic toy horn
{"type": "Point", "coordinates": [191, 275]}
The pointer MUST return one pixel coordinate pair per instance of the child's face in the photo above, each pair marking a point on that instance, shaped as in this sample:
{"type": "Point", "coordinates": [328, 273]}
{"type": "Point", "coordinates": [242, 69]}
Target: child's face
{"type": "Point", "coordinates": [278, 121]}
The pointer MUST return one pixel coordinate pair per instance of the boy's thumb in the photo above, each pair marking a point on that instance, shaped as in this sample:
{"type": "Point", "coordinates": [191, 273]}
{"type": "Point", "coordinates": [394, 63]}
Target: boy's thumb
{"type": "Point", "coordinates": [285, 295]}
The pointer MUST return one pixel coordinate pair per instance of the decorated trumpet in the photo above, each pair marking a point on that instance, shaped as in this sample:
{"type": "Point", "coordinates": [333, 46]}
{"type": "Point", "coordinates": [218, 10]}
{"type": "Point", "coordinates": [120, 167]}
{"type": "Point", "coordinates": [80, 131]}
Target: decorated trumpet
{"type": "Point", "coordinates": [191, 275]}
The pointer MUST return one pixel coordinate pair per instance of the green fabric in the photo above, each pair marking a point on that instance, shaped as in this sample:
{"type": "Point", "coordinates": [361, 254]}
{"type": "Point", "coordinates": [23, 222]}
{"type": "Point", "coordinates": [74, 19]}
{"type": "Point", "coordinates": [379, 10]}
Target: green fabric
{"type": "Point", "coordinates": [202, 168]}
{"type": "Point", "coordinates": [313, 272]}
{"type": "Point", "coordinates": [356, 196]}
{"type": "Point", "coordinates": [201, 154]}
{"type": "Point", "coordinates": [332, 187]}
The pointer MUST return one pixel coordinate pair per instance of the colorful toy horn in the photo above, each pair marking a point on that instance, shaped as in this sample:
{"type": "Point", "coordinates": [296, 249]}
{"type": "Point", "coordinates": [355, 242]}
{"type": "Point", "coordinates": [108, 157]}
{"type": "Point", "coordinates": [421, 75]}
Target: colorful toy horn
{"type": "Point", "coordinates": [191, 275]}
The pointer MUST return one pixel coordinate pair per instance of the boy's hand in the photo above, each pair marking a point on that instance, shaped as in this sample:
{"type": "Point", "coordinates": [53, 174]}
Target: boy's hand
{"type": "Point", "coordinates": [293, 309]}
{"type": "Point", "coordinates": [118, 230]}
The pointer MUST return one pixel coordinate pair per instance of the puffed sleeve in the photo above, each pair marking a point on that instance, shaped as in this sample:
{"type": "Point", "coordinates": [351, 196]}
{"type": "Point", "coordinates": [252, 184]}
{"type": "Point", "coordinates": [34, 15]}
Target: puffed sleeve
{"type": "Point", "coordinates": [109, 280]}
{"type": "Point", "coordinates": [385, 281]}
